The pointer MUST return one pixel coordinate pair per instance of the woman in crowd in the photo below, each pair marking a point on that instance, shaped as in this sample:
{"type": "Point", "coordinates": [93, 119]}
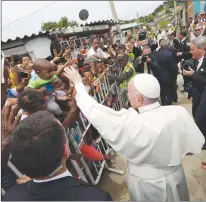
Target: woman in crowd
{"type": "Point", "coordinates": [20, 71]}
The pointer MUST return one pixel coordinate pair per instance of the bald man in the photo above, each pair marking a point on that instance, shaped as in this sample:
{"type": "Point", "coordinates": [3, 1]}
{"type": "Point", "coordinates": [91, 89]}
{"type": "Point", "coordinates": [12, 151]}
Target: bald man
{"type": "Point", "coordinates": [154, 140]}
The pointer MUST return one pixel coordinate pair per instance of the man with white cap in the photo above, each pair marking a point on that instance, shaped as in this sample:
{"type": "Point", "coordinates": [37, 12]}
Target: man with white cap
{"type": "Point", "coordinates": [153, 139]}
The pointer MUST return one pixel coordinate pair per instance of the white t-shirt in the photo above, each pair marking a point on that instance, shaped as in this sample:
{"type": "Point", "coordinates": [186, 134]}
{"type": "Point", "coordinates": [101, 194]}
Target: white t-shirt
{"type": "Point", "coordinates": [99, 53]}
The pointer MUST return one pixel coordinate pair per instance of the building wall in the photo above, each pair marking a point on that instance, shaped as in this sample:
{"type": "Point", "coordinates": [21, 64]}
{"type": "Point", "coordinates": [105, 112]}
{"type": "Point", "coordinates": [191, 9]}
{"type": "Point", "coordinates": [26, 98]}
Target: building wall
{"type": "Point", "coordinates": [13, 48]}
{"type": "Point", "coordinates": [38, 47]}
{"type": "Point", "coordinates": [190, 8]}
{"type": "Point", "coordinates": [196, 6]}
{"type": "Point", "coordinates": [202, 6]}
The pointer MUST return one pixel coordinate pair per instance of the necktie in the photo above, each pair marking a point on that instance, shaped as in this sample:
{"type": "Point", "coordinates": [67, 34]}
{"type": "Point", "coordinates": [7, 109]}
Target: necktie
{"type": "Point", "coordinates": [196, 65]}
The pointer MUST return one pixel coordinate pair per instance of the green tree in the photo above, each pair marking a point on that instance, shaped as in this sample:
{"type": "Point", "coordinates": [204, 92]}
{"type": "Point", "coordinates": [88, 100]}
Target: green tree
{"type": "Point", "coordinates": [163, 24]}
{"type": "Point", "coordinates": [150, 18]}
{"type": "Point", "coordinates": [170, 4]}
{"type": "Point", "coordinates": [63, 22]}
{"type": "Point", "coordinates": [148, 28]}
{"type": "Point", "coordinates": [49, 26]}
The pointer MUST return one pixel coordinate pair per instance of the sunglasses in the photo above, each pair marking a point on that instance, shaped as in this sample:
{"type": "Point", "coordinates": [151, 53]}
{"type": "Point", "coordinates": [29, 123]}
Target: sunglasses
{"type": "Point", "coordinates": [197, 30]}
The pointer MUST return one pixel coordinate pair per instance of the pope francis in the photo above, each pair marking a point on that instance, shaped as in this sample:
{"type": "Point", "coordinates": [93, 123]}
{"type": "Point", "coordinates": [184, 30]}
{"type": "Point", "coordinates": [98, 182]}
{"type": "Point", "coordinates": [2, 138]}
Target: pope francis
{"type": "Point", "coordinates": [154, 139]}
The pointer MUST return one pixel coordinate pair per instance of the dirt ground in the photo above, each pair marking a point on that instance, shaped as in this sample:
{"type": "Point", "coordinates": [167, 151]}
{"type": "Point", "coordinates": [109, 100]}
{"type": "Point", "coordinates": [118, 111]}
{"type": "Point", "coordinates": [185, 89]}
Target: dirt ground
{"type": "Point", "coordinates": [116, 184]}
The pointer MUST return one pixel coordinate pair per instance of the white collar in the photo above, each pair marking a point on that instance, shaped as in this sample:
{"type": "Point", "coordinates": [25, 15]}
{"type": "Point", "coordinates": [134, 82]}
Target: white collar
{"type": "Point", "coordinates": [149, 107]}
{"type": "Point", "coordinates": [183, 39]}
{"type": "Point", "coordinates": [65, 174]}
{"type": "Point", "coordinates": [201, 59]}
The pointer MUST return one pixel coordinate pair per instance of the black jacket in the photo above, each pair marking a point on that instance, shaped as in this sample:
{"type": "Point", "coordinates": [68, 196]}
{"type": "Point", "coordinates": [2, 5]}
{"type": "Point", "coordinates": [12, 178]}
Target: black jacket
{"type": "Point", "coordinates": [137, 51]}
{"type": "Point", "coordinates": [185, 49]}
{"type": "Point", "coordinates": [176, 44]}
{"type": "Point", "coordinates": [167, 63]}
{"type": "Point", "coordinates": [200, 115]}
{"type": "Point", "coordinates": [64, 189]}
{"type": "Point", "coordinates": [198, 83]}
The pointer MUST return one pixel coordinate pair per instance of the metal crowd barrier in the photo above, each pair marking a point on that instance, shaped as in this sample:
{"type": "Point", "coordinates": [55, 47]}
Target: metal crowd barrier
{"type": "Point", "coordinates": [89, 171]}
{"type": "Point", "coordinates": [93, 169]}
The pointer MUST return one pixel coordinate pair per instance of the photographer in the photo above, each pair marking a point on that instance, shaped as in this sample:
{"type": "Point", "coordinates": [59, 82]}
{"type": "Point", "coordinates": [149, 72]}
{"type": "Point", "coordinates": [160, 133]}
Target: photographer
{"type": "Point", "coordinates": [139, 63]}
{"type": "Point", "coordinates": [198, 74]}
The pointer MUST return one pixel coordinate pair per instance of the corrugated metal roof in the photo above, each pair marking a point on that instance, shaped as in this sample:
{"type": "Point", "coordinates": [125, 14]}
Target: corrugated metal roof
{"type": "Point", "coordinates": [101, 25]}
{"type": "Point", "coordinates": [105, 22]}
{"type": "Point", "coordinates": [40, 33]}
{"type": "Point", "coordinates": [26, 36]}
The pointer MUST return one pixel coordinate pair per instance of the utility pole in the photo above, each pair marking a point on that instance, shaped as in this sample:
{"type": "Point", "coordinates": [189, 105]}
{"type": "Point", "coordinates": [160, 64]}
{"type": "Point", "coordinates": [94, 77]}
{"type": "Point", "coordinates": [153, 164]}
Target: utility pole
{"type": "Point", "coordinates": [175, 7]}
{"type": "Point", "coordinates": [186, 15]}
{"type": "Point", "coordinates": [138, 20]}
{"type": "Point", "coordinates": [114, 13]}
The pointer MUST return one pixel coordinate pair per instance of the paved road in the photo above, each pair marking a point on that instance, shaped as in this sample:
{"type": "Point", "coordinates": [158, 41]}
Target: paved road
{"type": "Point", "coordinates": [116, 184]}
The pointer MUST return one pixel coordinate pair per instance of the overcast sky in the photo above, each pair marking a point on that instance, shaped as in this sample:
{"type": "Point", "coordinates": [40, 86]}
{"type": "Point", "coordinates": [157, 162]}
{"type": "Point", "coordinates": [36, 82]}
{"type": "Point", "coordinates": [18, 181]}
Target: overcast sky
{"type": "Point", "coordinates": [98, 10]}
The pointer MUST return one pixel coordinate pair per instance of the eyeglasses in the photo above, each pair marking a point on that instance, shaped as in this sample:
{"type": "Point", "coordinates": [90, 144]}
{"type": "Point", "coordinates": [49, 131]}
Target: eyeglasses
{"type": "Point", "coordinates": [197, 30]}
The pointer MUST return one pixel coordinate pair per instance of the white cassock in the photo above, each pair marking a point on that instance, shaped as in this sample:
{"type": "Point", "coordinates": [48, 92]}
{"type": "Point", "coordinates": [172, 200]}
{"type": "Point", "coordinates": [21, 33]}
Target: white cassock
{"type": "Point", "coordinates": [154, 141]}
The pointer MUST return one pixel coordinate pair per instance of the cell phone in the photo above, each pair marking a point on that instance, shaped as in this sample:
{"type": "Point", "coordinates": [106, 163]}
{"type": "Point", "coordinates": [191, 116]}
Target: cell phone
{"type": "Point", "coordinates": [23, 75]}
{"type": "Point", "coordinates": [60, 60]}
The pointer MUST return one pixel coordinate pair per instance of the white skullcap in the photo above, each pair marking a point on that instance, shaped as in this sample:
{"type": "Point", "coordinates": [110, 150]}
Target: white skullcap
{"type": "Point", "coordinates": [147, 85]}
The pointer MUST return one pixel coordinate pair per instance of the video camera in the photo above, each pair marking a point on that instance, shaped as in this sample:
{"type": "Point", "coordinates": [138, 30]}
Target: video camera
{"type": "Point", "coordinates": [185, 64]}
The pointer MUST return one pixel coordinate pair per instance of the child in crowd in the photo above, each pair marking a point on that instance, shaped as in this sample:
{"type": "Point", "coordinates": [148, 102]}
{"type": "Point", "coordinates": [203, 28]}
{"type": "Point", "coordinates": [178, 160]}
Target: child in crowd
{"type": "Point", "coordinates": [30, 102]}
{"type": "Point", "coordinates": [43, 83]}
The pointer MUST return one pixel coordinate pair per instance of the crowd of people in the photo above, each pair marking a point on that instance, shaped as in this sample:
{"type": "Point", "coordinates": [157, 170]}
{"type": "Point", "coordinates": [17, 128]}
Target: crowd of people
{"type": "Point", "coordinates": [41, 99]}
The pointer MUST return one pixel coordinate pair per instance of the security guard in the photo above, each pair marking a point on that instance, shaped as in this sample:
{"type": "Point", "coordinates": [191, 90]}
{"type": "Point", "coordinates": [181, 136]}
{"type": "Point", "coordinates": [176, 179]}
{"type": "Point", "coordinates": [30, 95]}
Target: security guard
{"type": "Point", "coordinates": [128, 71]}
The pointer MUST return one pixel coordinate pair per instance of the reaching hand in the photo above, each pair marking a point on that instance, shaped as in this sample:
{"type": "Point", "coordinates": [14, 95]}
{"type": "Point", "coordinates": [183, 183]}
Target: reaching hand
{"type": "Point", "coordinates": [23, 179]}
{"type": "Point", "coordinates": [43, 90]}
{"type": "Point", "coordinates": [73, 75]}
{"type": "Point", "coordinates": [9, 119]}
{"type": "Point", "coordinates": [188, 73]}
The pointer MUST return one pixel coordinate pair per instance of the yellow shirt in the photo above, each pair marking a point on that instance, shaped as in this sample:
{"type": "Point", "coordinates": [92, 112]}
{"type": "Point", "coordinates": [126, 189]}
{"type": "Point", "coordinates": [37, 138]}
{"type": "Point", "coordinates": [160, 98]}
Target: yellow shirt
{"type": "Point", "coordinates": [11, 76]}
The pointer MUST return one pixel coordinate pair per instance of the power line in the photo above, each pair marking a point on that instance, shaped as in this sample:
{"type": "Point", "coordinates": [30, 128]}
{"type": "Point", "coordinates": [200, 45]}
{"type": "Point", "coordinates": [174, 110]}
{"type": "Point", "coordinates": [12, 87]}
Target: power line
{"type": "Point", "coordinates": [30, 13]}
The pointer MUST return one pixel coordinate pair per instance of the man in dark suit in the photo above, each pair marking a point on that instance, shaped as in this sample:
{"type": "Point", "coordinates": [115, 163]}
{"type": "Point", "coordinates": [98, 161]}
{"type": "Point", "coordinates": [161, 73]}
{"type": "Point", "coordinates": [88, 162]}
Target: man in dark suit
{"type": "Point", "coordinates": [174, 47]}
{"type": "Point", "coordinates": [200, 115]}
{"type": "Point", "coordinates": [39, 148]}
{"type": "Point", "coordinates": [198, 75]}
{"type": "Point", "coordinates": [166, 61]}
{"type": "Point", "coordinates": [184, 49]}
{"type": "Point", "coordinates": [184, 53]}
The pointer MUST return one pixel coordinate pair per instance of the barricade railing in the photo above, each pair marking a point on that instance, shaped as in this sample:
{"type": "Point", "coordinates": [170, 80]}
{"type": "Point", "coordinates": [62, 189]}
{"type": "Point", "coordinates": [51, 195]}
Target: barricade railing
{"type": "Point", "coordinates": [93, 169]}
{"type": "Point", "coordinates": [87, 170]}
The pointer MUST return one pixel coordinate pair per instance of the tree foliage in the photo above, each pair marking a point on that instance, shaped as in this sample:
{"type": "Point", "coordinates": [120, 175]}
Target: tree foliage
{"type": "Point", "coordinates": [49, 26]}
{"type": "Point", "coordinates": [148, 28]}
{"type": "Point", "coordinates": [150, 18]}
{"type": "Point", "coordinates": [63, 22]}
{"type": "Point", "coordinates": [163, 24]}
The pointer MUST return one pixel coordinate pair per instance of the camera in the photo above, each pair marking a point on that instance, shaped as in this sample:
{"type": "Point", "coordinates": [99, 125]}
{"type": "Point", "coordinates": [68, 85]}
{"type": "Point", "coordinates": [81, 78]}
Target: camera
{"type": "Point", "coordinates": [145, 57]}
{"type": "Point", "coordinates": [142, 36]}
{"type": "Point", "coordinates": [185, 64]}
{"type": "Point", "coordinates": [23, 75]}
{"type": "Point", "coordinates": [60, 60]}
